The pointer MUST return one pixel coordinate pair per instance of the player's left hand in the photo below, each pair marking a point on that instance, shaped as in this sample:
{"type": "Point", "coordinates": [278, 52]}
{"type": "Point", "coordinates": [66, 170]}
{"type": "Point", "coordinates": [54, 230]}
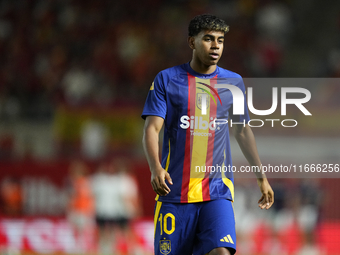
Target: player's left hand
{"type": "Point", "coordinates": [267, 199]}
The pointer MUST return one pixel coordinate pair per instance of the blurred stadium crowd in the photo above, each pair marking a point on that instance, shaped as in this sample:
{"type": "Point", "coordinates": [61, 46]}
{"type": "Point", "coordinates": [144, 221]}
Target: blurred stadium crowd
{"type": "Point", "coordinates": [102, 52]}
{"type": "Point", "coordinates": [82, 60]}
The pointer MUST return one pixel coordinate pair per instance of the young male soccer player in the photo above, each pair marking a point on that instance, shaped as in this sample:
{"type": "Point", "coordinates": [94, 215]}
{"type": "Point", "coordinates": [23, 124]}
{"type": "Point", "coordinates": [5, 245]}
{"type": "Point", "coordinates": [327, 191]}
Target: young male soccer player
{"type": "Point", "coordinates": [196, 215]}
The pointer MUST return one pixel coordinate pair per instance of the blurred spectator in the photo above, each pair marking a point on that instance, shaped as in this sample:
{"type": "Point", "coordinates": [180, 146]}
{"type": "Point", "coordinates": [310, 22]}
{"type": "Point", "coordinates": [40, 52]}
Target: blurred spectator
{"type": "Point", "coordinates": [334, 62]}
{"type": "Point", "coordinates": [94, 139]}
{"type": "Point", "coordinates": [266, 58]}
{"type": "Point", "coordinates": [11, 197]}
{"type": "Point", "coordinates": [131, 205]}
{"type": "Point", "coordinates": [6, 146]}
{"type": "Point", "coordinates": [308, 217]}
{"type": "Point", "coordinates": [247, 217]}
{"type": "Point", "coordinates": [274, 21]}
{"type": "Point", "coordinates": [108, 206]}
{"type": "Point", "coordinates": [116, 199]}
{"type": "Point", "coordinates": [78, 84]}
{"type": "Point", "coordinates": [81, 205]}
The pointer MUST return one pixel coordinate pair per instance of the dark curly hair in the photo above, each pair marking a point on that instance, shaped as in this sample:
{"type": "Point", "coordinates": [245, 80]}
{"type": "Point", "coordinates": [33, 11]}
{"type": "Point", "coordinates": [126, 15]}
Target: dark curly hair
{"type": "Point", "coordinates": [206, 22]}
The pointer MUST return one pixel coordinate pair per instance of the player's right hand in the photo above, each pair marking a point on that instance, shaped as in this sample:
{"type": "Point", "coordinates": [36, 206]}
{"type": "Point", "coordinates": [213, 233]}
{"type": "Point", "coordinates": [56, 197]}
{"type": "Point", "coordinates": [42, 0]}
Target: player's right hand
{"type": "Point", "coordinates": [267, 198]}
{"type": "Point", "coordinates": [158, 178]}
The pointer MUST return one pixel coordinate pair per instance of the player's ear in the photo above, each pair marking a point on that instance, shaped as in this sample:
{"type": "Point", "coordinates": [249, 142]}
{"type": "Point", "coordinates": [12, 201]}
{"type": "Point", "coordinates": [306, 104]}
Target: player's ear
{"type": "Point", "coordinates": [191, 42]}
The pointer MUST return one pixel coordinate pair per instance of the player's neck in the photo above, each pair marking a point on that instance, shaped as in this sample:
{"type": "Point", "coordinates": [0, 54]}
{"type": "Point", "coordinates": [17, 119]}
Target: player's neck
{"type": "Point", "coordinates": [199, 67]}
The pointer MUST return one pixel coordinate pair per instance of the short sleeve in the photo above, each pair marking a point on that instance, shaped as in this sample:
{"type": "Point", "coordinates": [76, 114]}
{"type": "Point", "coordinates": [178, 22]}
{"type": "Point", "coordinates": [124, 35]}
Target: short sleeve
{"type": "Point", "coordinates": [156, 100]}
{"type": "Point", "coordinates": [244, 117]}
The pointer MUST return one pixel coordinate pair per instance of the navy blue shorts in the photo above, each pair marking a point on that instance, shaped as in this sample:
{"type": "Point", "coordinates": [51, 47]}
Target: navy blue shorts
{"type": "Point", "coordinates": [194, 228]}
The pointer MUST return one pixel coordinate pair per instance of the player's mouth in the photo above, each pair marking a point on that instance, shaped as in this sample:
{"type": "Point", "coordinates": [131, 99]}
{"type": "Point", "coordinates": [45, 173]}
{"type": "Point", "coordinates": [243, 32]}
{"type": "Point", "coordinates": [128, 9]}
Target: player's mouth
{"type": "Point", "coordinates": [214, 55]}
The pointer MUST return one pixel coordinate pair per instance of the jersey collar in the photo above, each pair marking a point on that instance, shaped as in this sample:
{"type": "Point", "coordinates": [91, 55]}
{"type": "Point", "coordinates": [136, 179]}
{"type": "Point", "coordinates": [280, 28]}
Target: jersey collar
{"type": "Point", "coordinates": [188, 68]}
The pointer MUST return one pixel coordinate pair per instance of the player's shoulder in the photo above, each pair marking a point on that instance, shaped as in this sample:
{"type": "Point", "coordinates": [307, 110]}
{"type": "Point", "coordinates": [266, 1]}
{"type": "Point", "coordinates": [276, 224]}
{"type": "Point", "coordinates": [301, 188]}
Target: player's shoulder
{"type": "Point", "coordinates": [168, 73]}
{"type": "Point", "coordinates": [232, 77]}
{"type": "Point", "coordinates": [225, 73]}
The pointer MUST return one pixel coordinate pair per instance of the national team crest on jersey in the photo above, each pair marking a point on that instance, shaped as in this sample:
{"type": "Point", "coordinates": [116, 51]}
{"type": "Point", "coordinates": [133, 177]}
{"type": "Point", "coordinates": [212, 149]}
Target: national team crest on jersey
{"type": "Point", "coordinates": [199, 100]}
{"type": "Point", "coordinates": [165, 246]}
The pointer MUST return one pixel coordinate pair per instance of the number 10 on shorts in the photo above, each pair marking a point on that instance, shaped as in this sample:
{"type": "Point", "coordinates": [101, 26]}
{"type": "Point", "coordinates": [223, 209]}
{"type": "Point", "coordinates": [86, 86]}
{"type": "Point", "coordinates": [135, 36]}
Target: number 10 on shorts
{"type": "Point", "coordinates": [164, 223]}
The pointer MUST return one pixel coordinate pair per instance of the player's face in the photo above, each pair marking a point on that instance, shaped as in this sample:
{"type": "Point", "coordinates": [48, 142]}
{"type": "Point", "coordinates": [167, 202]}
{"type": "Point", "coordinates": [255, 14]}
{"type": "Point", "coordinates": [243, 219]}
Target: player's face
{"type": "Point", "coordinates": [208, 47]}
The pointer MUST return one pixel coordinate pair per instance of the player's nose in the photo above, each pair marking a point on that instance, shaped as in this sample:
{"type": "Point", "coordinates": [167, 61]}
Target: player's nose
{"type": "Point", "coordinates": [215, 45]}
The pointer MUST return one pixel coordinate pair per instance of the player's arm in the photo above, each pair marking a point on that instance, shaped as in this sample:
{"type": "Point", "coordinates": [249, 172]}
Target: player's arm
{"type": "Point", "coordinates": [152, 127]}
{"type": "Point", "coordinates": [246, 140]}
